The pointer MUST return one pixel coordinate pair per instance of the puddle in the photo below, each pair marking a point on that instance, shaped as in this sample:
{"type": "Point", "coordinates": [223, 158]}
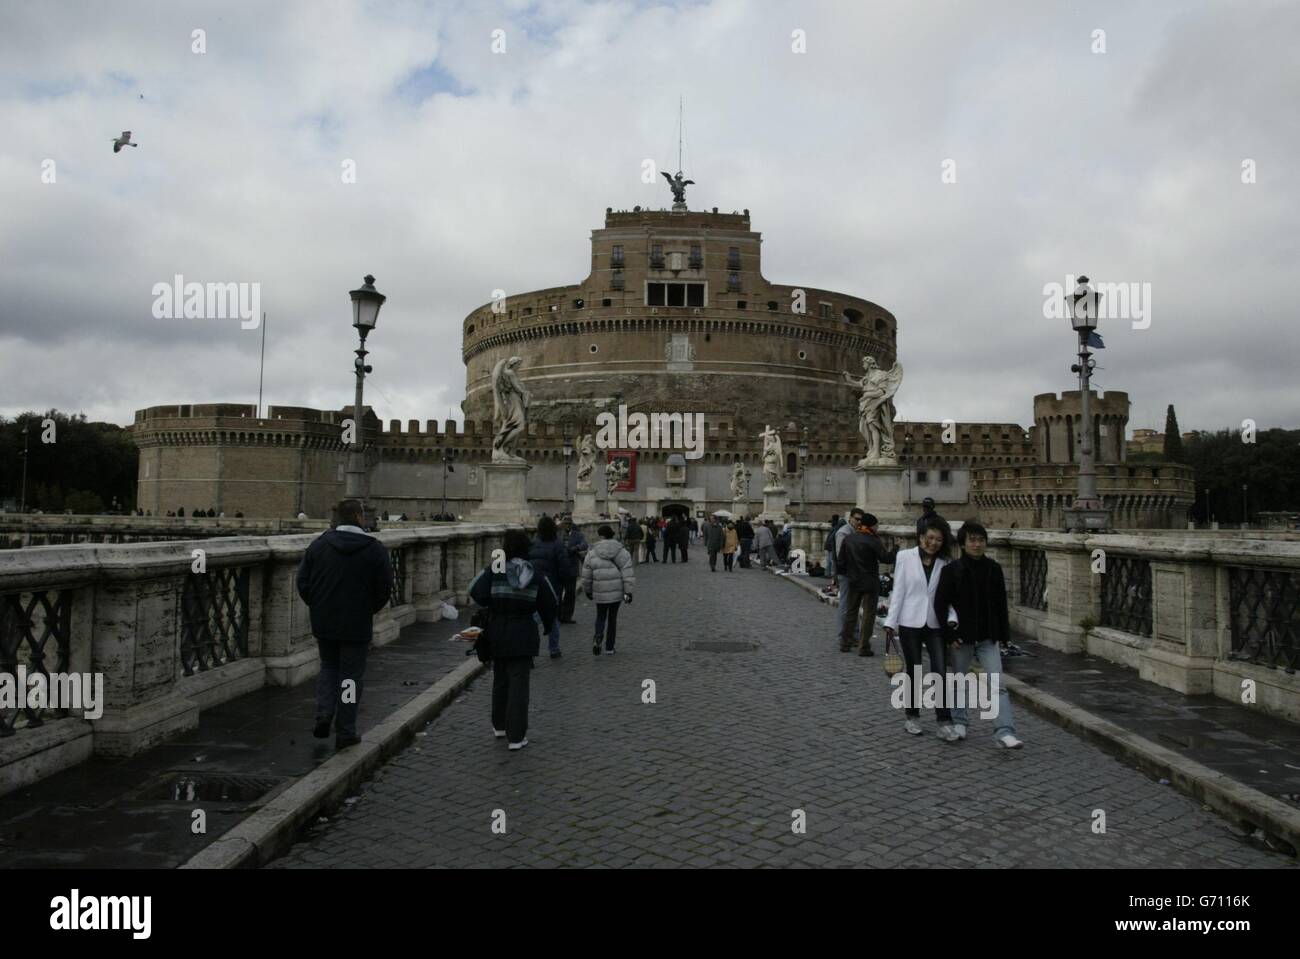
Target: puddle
{"type": "Point", "coordinates": [208, 787]}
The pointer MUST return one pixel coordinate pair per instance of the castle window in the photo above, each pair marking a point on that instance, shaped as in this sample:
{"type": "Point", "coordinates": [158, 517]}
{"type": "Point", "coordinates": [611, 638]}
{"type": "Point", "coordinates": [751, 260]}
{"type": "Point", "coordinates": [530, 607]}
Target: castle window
{"type": "Point", "coordinates": [594, 348]}
{"type": "Point", "coordinates": [733, 282]}
{"type": "Point", "coordinates": [617, 260]}
{"type": "Point", "coordinates": [656, 256]}
{"type": "Point", "coordinates": [674, 294]}
{"type": "Point", "coordinates": [880, 325]}
{"type": "Point", "coordinates": [528, 311]}
{"type": "Point", "coordinates": [606, 302]}
{"type": "Point", "coordinates": [697, 257]}
{"type": "Point", "coordinates": [742, 304]}
{"type": "Point", "coordinates": [922, 476]}
{"type": "Point", "coordinates": [853, 316]}
{"type": "Point", "coordinates": [803, 355]}
{"type": "Point", "coordinates": [791, 463]}
{"type": "Point", "coordinates": [733, 258]}
{"type": "Point", "coordinates": [579, 303]}
{"type": "Point", "coordinates": [772, 306]}
{"type": "Point", "coordinates": [824, 309]}
{"type": "Point", "coordinates": [945, 476]}
{"type": "Point", "coordinates": [470, 330]}
{"type": "Point", "coordinates": [616, 280]}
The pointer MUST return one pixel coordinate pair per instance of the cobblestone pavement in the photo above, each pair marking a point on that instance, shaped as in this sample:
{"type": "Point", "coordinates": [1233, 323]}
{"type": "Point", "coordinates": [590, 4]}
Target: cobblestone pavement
{"type": "Point", "coordinates": [714, 771]}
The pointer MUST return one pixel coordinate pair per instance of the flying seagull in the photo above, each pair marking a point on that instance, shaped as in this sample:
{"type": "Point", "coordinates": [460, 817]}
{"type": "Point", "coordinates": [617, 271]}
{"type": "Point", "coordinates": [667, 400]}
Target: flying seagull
{"type": "Point", "coordinates": [123, 141]}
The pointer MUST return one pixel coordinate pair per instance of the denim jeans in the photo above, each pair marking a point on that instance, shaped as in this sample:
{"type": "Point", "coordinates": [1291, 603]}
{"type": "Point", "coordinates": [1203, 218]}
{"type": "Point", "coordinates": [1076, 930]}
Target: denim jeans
{"type": "Point", "coordinates": [990, 657]}
{"type": "Point", "coordinates": [843, 582]}
{"type": "Point", "coordinates": [553, 641]}
{"type": "Point", "coordinates": [830, 564]}
{"type": "Point", "coordinates": [340, 662]}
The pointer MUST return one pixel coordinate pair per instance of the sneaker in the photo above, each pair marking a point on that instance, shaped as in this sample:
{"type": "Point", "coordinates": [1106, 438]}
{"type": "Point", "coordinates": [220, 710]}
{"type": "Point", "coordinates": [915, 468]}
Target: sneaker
{"type": "Point", "coordinates": [1010, 741]}
{"type": "Point", "coordinates": [519, 745]}
{"type": "Point", "coordinates": [343, 742]}
{"type": "Point", "coordinates": [322, 728]}
{"type": "Point", "coordinates": [913, 727]}
{"type": "Point", "coordinates": [595, 648]}
{"type": "Point", "coordinates": [609, 652]}
{"type": "Point", "coordinates": [948, 734]}
{"type": "Point", "coordinates": [960, 730]}
{"type": "Point", "coordinates": [499, 733]}
{"type": "Point", "coordinates": [555, 655]}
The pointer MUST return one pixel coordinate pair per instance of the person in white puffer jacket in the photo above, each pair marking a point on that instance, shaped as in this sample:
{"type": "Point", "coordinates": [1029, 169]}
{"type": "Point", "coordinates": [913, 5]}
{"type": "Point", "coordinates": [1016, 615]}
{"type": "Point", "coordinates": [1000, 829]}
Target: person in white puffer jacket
{"type": "Point", "coordinates": [608, 578]}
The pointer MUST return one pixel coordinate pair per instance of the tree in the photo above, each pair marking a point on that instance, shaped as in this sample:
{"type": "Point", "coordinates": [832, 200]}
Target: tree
{"type": "Point", "coordinates": [1173, 438]}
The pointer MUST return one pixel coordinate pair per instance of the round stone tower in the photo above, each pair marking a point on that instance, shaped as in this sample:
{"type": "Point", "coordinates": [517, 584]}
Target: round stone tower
{"type": "Point", "coordinates": [1059, 422]}
{"type": "Point", "coordinates": [675, 315]}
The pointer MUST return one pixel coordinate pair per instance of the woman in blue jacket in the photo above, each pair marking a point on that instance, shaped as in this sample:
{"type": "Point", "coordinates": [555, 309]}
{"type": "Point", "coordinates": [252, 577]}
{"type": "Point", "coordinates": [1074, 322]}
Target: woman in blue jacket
{"type": "Point", "coordinates": [551, 560]}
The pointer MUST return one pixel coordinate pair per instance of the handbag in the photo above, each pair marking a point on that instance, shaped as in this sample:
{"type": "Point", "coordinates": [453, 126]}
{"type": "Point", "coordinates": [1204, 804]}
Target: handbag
{"type": "Point", "coordinates": [893, 661]}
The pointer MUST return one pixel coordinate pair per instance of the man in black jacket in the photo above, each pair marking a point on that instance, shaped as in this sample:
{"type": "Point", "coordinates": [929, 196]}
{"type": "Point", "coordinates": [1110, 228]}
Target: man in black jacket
{"type": "Point", "coordinates": [972, 594]}
{"type": "Point", "coordinates": [713, 541]}
{"type": "Point", "coordinates": [860, 554]}
{"type": "Point", "coordinates": [746, 534]}
{"type": "Point", "coordinates": [345, 578]}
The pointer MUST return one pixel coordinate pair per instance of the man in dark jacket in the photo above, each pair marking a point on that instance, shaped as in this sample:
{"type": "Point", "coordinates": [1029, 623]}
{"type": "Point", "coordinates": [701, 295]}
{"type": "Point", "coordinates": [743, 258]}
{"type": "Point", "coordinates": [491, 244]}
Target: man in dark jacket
{"type": "Point", "coordinates": [928, 515]}
{"type": "Point", "coordinates": [746, 534]}
{"type": "Point", "coordinates": [671, 539]}
{"type": "Point", "coordinates": [632, 537]}
{"type": "Point", "coordinates": [858, 561]}
{"type": "Point", "coordinates": [575, 546]}
{"type": "Point", "coordinates": [713, 539]}
{"type": "Point", "coordinates": [652, 537]}
{"type": "Point", "coordinates": [971, 604]}
{"type": "Point", "coordinates": [518, 598]}
{"type": "Point", "coordinates": [345, 578]}
{"type": "Point", "coordinates": [683, 537]}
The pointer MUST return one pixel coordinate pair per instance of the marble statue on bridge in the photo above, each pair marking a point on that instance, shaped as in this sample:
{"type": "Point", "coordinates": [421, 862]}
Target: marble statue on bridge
{"type": "Point", "coordinates": [509, 411]}
{"type": "Point", "coordinates": [876, 410]}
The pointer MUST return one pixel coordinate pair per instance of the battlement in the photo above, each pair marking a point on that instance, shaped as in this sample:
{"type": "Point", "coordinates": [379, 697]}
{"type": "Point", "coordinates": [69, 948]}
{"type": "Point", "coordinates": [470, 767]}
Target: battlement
{"type": "Point", "coordinates": [667, 218]}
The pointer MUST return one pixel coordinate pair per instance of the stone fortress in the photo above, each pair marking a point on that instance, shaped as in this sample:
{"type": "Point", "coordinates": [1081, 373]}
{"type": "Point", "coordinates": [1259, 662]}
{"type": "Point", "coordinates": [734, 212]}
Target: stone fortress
{"type": "Point", "coordinates": [674, 316]}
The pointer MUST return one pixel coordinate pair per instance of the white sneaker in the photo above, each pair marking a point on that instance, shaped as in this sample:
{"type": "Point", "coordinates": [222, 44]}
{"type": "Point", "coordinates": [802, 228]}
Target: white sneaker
{"type": "Point", "coordinates": [519, 745]}
{"type": "Point", "coordinates": [1010, 741]}
{"type": "Point", "coordinates": [499, 733]}
{"type": "Point", "coordinates": [960, 730]}
{"type": "Point", "coordinates": [948, 734]}
{"type": "Point", "coordinates": [913, 727]}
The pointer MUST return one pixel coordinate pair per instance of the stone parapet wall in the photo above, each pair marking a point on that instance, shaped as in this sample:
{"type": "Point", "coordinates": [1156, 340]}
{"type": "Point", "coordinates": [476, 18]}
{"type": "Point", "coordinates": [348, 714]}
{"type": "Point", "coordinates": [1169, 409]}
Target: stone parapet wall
{"type": "Point", "coordinates": [170, 640]}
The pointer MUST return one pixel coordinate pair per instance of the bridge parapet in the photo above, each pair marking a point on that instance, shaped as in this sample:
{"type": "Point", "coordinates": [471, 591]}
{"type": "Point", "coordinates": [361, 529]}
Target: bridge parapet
{"type": "Point", "coordinates": [172, 628]}
{"type": "Point", "coordinates": [1195, 611]}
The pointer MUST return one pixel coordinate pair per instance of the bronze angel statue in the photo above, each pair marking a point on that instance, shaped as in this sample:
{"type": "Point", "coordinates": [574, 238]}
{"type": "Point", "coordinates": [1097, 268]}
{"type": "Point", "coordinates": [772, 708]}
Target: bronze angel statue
{"type": "Point", "coordinates": [678, 186]}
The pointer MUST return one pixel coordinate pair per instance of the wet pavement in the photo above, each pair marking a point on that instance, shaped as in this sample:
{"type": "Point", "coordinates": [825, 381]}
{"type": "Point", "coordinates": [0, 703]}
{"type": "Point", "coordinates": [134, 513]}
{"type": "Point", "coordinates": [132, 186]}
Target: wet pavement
{"type": "Point", "coordinates": [138, 812]}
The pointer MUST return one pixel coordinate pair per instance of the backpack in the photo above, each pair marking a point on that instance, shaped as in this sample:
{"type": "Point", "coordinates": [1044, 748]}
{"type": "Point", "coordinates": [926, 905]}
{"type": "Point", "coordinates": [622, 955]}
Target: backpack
{"type": "Point", "coordinates": [633, 534]}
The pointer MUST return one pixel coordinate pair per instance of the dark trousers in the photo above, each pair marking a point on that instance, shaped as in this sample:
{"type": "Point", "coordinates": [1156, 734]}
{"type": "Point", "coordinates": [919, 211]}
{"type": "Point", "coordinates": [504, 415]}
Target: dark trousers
{"type": "Point", "coordinates": [606, 613]}
{"type": "Point", "coordinates": [510, 696]}
{"type": "Point", "coordinates": [650, 548]}
{"type": "Point", "coordinates": [866, 600]}
{"type": "Point", "coordinates": [745, 545]}
{"type": "Point", "coordinates": [568, 596]}
{"type": "Point", "coordinates": [912, 639]}
{"type": "Point", "coordinates": [682, 544]}
{"type": "Point", "coordinates": [727, 560]}
{"type": "Point", "coordinates": [713, 559]}
{"type": "Point", "coordinates": [670, 551]}
{"type": "Point", "coordinates": [340, 662]}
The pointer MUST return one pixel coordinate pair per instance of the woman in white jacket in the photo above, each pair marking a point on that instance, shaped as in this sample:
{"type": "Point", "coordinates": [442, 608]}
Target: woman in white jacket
{"type": "Point", "coordinates": [911, 615]}
{"type": "Point", "coordinates": [608, 578]}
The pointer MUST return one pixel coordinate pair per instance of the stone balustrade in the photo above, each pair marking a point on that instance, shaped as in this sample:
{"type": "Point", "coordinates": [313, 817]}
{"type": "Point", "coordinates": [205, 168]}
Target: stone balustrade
{"type": "Point", "coordinates": [1192, 612]}
{"type": "Point", "coordinates": [176, 627]}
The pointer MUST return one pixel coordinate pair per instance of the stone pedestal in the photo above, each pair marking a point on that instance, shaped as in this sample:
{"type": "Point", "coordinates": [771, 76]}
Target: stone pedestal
{"type": "Point", "coordinates": [504, 500]}
{"type": "Point", "coordinates": [740, 507]}
{"type": "Point", "coordinates": [881, 493]}
{"type": "Point", "coordinates": [776, 505]}
{"type": "Point", "coordinates": [584, 506]}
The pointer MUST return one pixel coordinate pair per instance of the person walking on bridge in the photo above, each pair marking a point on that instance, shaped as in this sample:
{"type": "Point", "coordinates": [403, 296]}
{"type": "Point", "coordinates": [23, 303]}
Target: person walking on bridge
{"type": "Point", "coordinates": [517, 598]}
{"type": "Point", "coordinates": [608, 578]}
{"type": "Point", "coordinates": [713, 541]}
{"type": "Point", "coordinates": [550, 560]}
{"type": "Point", "coordinates": [345, 577]}
{"type": "Point", "coordinates": [859, 560]}
{"type": "Point", "coordinates": [730, 545]}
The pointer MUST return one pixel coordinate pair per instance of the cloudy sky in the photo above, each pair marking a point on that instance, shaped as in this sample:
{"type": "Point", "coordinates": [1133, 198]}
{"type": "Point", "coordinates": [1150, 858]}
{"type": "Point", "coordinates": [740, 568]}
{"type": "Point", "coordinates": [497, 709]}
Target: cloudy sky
{"type": "Point", "coordinates": [478, 169]}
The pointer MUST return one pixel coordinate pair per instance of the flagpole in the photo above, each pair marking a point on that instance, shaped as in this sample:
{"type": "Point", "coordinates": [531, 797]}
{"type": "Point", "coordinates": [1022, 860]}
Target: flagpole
{"type": "Point", "coordinates": [261, 369]}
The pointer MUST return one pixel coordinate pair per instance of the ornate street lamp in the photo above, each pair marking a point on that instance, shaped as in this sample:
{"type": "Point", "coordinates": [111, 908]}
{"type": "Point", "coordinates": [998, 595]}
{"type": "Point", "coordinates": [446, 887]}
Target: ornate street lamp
{"type": "Point", "coordinates": [448, 454]}
{"type": "Point", "coordinates": [1087, 514]}
{"type": "Point", "coordinates": [366, 302]}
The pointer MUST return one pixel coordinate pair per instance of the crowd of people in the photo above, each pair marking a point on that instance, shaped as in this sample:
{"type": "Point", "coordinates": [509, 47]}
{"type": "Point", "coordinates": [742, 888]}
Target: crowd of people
{"type": "Point", "coordinates": [949, 609]}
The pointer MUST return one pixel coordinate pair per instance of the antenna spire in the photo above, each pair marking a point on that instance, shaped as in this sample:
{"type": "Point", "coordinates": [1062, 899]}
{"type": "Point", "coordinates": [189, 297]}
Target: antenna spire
{"type": "Point", "coordinates": [679, 133]}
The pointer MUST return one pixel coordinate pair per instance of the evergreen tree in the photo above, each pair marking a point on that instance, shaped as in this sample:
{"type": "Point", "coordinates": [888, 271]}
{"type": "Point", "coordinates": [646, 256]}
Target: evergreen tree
{"type": "Point", "coordinates": [1173, 438]}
